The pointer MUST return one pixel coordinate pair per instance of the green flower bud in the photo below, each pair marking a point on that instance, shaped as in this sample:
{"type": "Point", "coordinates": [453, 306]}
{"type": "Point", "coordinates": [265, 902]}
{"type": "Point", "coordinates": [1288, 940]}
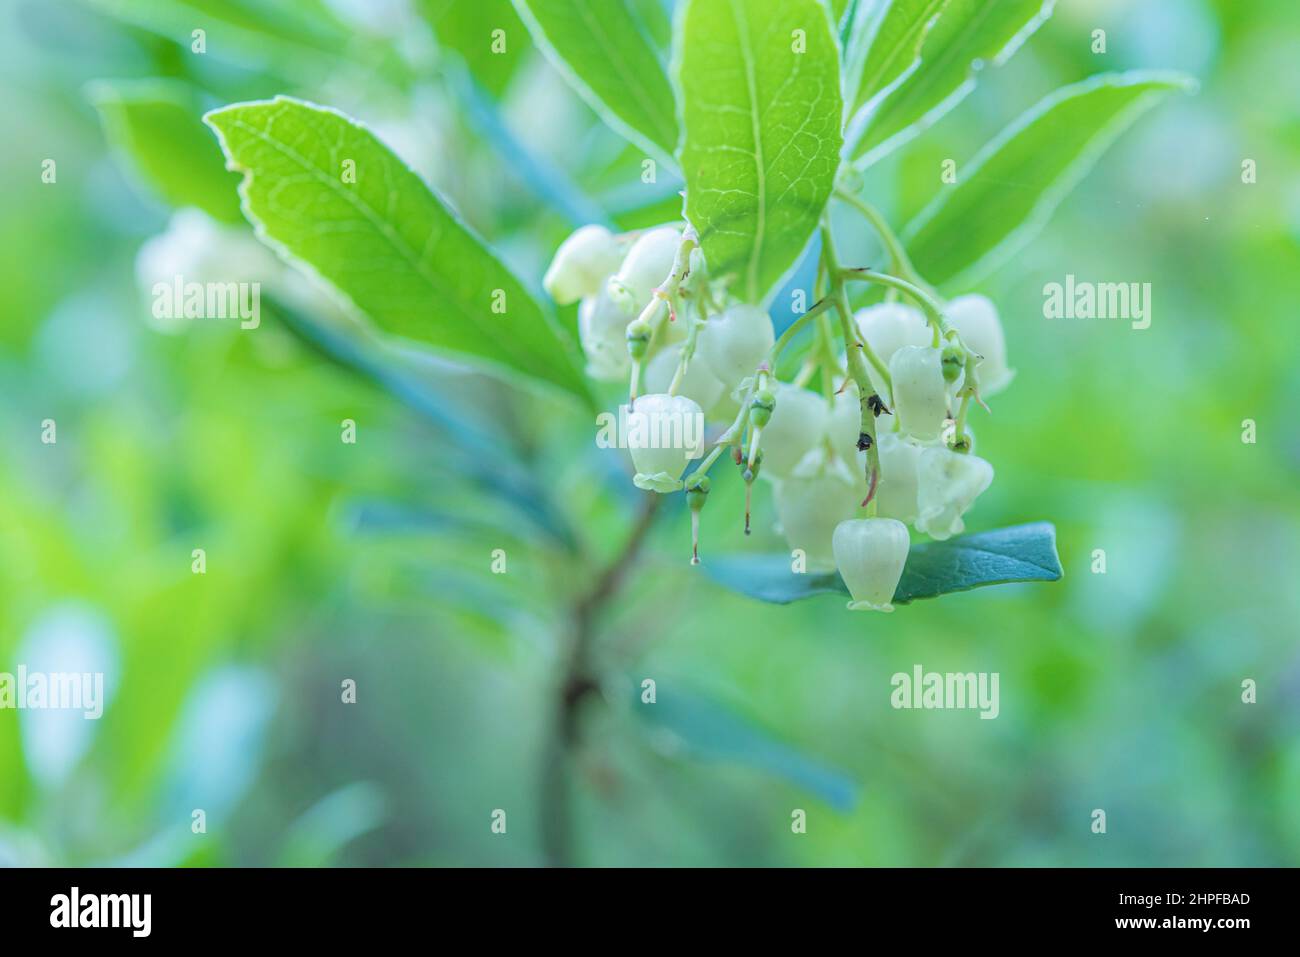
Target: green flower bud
{"type": "Point", "coordinates": [638, 338]}
{"type": "Point", "coordinates": [760, 410]}
{"type": "Point", "coordinates": [953, 361]}
{"type": "Point", "coordinates": [697, 491]}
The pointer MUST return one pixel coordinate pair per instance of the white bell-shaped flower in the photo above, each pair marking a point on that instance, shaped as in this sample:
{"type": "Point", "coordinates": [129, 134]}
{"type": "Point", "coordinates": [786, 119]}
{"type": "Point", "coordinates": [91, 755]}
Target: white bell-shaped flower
{"type": "Point", "coordinates": [648, 263]}
{"type": "Point", "coordinates": [887, 327]}
{"type": "Point", "coordinates": [582, 264]}
{"type": "Point", "coordinates": [664, 432]}
{"type": "Point", "coordinates": [697, 383]}
{"type": "Point", "coordinates": [976, 319]}
{"type": "Point", "coordinates": [735, 341]}
{"type": "Point", "coordinates": [896, 491]}
{"type": "Point", "coordinates": [870, 554]}
{"type": "Point", "coordinates": [818, 496]}
{"type": "Point", "coordinates": [947, 484]}
{"type": "Point", "coordinates": [920, 394]}
{"type": "Point", "coordinates": [798, 422]}
{"type": "Point", "coordinates": [602, 330]}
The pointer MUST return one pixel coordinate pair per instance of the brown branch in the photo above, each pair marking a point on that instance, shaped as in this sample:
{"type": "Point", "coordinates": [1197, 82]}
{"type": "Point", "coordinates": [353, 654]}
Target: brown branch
{"type": "Point", "coordinates": [576, 683]}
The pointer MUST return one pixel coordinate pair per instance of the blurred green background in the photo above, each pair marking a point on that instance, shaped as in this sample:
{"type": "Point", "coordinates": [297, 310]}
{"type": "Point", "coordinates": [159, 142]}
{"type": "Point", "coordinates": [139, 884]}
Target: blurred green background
{"type": "Point", "coordinates": [328, 561]}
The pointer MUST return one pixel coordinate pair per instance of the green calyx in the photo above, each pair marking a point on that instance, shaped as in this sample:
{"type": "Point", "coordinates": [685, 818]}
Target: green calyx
{"type": "Point", "coordinates": [697, 491]}
{"type": "Point", "coordinates": [638, 338]}
{"type": "Point", "coordinates": [953, 361]}
{"type": "Point", "coordinates": [760, 410]}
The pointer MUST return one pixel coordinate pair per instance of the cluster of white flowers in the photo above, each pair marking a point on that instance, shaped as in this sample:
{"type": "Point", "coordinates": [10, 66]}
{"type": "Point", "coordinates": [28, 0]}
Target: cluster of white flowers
{"type": "Point", "coordinates": [916, 466]}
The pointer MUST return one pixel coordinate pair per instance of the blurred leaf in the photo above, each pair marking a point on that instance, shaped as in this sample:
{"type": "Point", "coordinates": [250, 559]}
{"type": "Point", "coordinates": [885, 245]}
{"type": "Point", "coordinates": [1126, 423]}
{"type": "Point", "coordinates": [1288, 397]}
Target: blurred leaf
{"type": "Point", "coordinates": [607, 54]}
{"type": "Point", "coordinates": [158, 124]}
{"type": "Point", "coordinates": [656, 21]}
{"type": "Point", "coordinates": [280, 33]}
{"type": "Point", "coordinates": [549, 183]}
{"type": "Point", "coordinates": [386, 241]}
{"type": "Point", "coordinates": [842, 11]}
{"type": "Point", "coordinates": [968, 35]}
{"type": "Point", "coordinates": [1022, 553]}
{"type": "Point", "coordinates": [762, 132]}
{"type": "Point", "coordinates": [324, 829]}
{"type": "Point", "coordinates": [1006, 193]}
{"type": "Point", "coordinates": [467, 27]}
{"type": "Point", "coordinates": [471, 446]}
{"type": "Point", "coordinates": [885, 46]}
{"type": "Point", "coordinates": [217, 741]}
{"type": "Point", "coordinates": [704, 729]}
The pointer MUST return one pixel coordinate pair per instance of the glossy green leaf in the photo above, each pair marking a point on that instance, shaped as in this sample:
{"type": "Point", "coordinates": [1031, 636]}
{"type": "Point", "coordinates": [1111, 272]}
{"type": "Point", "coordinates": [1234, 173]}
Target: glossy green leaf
{"type": "Point", "coordinates": [1005, 194]}
{"type": "Point", "coordinates": [703, 729]}
{"type": "Point", "coordinates": [608, 54]}
{"type": "Point", "coordinates": [1022, 553]}
{"type": "Point", "coordinates": [158, 124]}
{"type": "Point", "coordinates": [386, 240]}
{"type": "Point", "coordinates": [886, 46]}
{"type": "Point", "coordinates": [762, 135]}
{"type": "Point", "coordinates": [967, 35]}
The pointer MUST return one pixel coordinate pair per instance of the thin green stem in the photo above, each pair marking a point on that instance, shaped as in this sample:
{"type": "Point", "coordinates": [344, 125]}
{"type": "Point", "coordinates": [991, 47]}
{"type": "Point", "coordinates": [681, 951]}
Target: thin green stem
{"type": "Point", "coordinates": [793, 329]}
{"type": "Point", "coordinates": [857, 365]}
{"type": "Point", "coordinates": [901, 264]}
{"type": "Point", "coordinates": [929, 305]}
{"type": "Point", "coordinates": [851, 339]}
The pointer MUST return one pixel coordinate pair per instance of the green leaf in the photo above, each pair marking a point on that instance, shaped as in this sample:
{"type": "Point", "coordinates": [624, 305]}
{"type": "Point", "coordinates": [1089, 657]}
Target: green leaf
{"type": "Point", "coordinates": [706, 730]}
{"type": "Point", "coordinates": [158, 124]}
{"type": "Point", "coordinates": [467, 27]}
{"type": "Point", "coordinates": [1006, 193]}
{"type": "Point", "coordinates": [967, 35]}
{"type": "Point", "coordinates": [885, 47]}
{"type": "Point", "coordinates": [1022, 553]}
{"type": "Point", "coordinates": [761, 132]}
{"type": "Point", "coordinates": [386, 241]}
{"type": "Point", "coordinates": [608, 54]}
{"type": "Point", "coordinates": [258, 33]}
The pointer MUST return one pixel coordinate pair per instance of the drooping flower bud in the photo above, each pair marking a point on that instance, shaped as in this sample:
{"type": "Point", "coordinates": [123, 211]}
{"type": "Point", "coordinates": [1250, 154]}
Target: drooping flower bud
{"type": "Point", "coordinates": [947, 484]}
{"type": "Point", "coordinates": [697, 493]}
{"type": "Point", "coordinates": [920, 394]}
{"type": "Point", "coordinates": [976, 319]}
{"type": "Point", "coordinates": [750, 463]}
{"type": "Point", "coordinates": [664, 433]}
{"type": "Point", "coordinates": [697, 382]}
{"type": "Point", "coordinates": [896, 493]}
{"type": "Point", "coordinates": [648, 263]}
{"type": "Point", "coordinates": [797, 424]}
{"type": "Point", "coordinates": [953, 362]}
{"type": "Point", "coordinates": [602, 330]}
{"type": "Point", "coordinates": [887, 327]}
{"type": "Point", "coordinates": [638, 338]}
{"type": "Point", "coordinates": [582, 264]}
{"type": "Point", "coordinates": [735, 341]}
{"type": "Point", "coordinates": [761, 408]}
{"type": "Point", "coordinates": [870, 554]}
{"type": "Point", "coordinates": [818, 496]}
